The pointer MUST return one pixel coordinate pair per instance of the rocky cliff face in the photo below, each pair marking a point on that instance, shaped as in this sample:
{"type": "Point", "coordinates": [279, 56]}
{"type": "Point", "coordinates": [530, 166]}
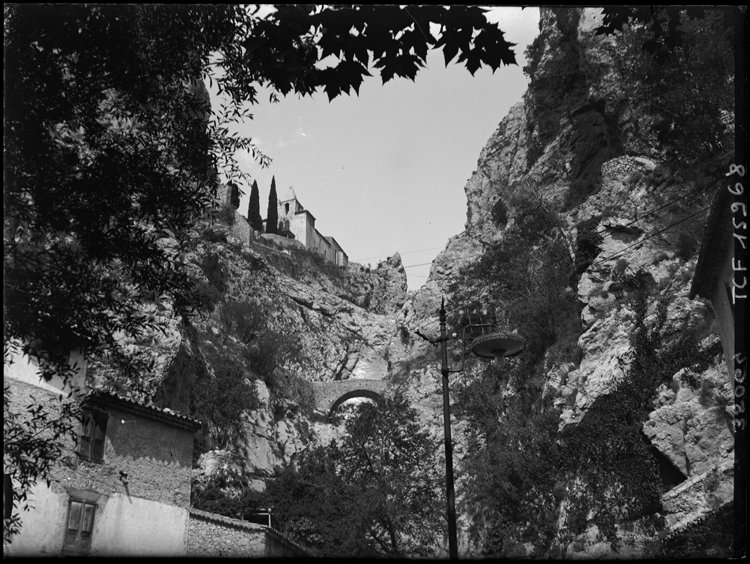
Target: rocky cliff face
{"type": "Point", "coordinates": [315, 321]}
{"type": "Point", "coordinates": [577, 146]}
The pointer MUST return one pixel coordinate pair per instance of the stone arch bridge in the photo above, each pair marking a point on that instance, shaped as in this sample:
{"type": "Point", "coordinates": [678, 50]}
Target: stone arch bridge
{"type": "Point", "coordinates": [330, 395]}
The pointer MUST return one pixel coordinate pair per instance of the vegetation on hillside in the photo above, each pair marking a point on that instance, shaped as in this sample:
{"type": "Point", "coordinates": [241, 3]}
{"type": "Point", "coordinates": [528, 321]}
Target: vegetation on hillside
{"type": "Point", "coordinates": [375, 493]}
{"type": "Point", "coordinates": [525, 483]}
{"type": "Point", "coordinates": [678, 68]}
{"type": "Point", "coordinates": [110, 159]}
{"type": "Point", "coordinates": [228, 491]}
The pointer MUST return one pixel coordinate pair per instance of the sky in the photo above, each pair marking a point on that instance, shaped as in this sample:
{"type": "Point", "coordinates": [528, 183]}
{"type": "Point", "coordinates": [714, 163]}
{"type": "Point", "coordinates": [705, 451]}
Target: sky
{"type": "Point", "coordinates": [384, 172]}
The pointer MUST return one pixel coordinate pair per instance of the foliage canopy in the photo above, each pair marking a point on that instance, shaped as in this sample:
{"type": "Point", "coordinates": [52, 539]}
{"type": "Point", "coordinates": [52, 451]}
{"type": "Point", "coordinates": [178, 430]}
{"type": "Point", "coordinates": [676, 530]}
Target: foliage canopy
{"type": "Point", "coordinates": [111, 159]}
{"type": "Point", "coordinates": [678, 65]}
{"type": "Point", "coordinates": [373, 494]}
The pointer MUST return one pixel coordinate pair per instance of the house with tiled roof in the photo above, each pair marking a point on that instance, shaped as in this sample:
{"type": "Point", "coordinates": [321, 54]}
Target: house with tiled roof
{"type": "Point", "coordinates": [123, 487]}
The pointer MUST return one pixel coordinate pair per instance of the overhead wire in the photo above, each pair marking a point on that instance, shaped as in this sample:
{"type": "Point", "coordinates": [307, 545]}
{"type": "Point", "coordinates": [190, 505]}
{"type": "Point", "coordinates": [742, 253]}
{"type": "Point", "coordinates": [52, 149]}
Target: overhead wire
{"type": "Point", "coordinates": [642, 217]}
{"type": "Point", "coordinates": [400, 253]}
{"type": "Point", "coordinates": [621, 252]}
{"type": "Point", "coordinates": [654, 210]}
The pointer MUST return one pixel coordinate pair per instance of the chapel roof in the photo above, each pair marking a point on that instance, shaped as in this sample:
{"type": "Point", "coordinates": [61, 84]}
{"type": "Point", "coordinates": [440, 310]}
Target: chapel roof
{"type": "Point", "coordinates": [290, 195]}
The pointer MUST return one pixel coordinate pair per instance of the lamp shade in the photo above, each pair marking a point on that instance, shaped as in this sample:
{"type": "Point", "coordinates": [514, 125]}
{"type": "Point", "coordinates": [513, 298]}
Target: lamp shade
{"type": "Point", "coordinates": [497, 345]}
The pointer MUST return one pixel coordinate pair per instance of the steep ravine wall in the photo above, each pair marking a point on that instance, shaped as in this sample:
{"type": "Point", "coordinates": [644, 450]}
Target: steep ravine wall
{"type": "Point", "coordinates": [573, 145]}
{"type": "Point", "coordinates": [577, 147]}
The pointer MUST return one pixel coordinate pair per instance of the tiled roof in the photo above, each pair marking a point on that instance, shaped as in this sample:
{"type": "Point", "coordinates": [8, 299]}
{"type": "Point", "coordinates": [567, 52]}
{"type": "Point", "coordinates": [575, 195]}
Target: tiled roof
{"type": "Point", "coordinates": [160, 414]}
{"type": "Point", "coordinates": [215, 517]}
{"type": "Point", "coordinates": [290, 195]}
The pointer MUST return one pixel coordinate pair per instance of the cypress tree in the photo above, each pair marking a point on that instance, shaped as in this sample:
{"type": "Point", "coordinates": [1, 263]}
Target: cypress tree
{"type": "Point", "coordinates": [272, 218]}
{"type": "Point", "coordinates": [253, 208]}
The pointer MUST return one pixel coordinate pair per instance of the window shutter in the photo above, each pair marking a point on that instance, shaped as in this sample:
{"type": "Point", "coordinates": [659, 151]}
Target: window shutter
{"type": "Point", "coordinates": [93, 435]}
{"type": "Point", "coordinates": [87, 527]}
{"type": "Point", "coordinates": [85, 444]}
{"type": "Point", "coordinates": [100, 433]}
{"type": "Point", "coordinates": [74, 524]}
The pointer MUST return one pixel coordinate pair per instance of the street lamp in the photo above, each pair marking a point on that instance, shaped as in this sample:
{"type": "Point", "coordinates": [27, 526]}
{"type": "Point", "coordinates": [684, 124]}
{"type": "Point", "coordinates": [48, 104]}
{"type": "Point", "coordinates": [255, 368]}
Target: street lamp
{"type": "Point", "coordinates": [489, 345]}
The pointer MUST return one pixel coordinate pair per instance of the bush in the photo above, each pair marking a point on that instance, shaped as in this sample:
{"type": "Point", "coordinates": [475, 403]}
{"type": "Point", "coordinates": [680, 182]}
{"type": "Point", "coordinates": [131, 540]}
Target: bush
{"type": "Point", "coordinates": [227, 492]}
{"type": "Point", "coordinates": [220, 400]}
{"type": "Point", "coordinates": [298, 393]}
{"type": "Point", "coordinates": [267, 350]}
{"type": "Point", "coordinates": [225, 215]}
{"type": "Point", "coordinates": [207, 295]}
{"type": "Point", "coordinates": [686, 246]}
{"type": "Point", "coordinates": [213, 236]}
{"type": "Point", "coordinates": [588, 240]}
{"type": "Point", "coordinates": [634, 178]}
{"type": "Point", "coordinates": [212, 269]}
{"type": "Point", "coordinates": [533, 53]}
{"type": "Point", "coordinates": [686, 86]}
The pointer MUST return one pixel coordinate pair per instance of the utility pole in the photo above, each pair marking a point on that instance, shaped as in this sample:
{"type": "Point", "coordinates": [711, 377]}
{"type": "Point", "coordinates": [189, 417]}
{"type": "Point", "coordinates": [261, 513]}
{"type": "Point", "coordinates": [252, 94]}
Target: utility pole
{"type": "Point", "coordinates": [450, 494]}
{"type": "Point", "coordinates": [493, 345]}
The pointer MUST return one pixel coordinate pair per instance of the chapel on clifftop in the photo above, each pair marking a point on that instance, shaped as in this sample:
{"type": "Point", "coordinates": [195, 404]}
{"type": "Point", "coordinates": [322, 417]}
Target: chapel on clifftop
{"type": "Point", "coordinates": [298, 223]}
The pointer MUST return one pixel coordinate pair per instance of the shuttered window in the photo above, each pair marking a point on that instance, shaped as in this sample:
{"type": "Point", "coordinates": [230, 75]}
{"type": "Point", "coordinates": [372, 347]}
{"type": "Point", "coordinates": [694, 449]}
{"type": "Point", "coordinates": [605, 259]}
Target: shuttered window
{"type": "Point", "coordinates": [93, 436]}
{"type": "Point", "coordinates": [79, 527]}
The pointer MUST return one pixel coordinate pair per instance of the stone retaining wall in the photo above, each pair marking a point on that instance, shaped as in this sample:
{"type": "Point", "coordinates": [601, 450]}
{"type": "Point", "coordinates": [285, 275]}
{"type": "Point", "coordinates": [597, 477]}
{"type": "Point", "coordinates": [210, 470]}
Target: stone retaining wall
{"type": "Point", "coordinates": [212, 535]}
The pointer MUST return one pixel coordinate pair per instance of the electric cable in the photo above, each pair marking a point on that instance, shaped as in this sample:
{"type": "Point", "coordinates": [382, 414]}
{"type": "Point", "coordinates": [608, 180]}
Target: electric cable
{"type": "Point", "coordinates": [654, 210]}
{"type": "Point", "coordinates": [622, 252]}
{"type": "Point", "coordinates": [404, 253]}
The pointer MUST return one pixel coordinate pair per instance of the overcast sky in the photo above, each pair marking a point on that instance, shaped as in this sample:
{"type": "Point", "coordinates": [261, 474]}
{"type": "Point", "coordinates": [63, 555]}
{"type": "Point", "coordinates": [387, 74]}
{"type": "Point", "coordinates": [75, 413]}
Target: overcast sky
{"type": "Point", "coordinates": [385, 171]}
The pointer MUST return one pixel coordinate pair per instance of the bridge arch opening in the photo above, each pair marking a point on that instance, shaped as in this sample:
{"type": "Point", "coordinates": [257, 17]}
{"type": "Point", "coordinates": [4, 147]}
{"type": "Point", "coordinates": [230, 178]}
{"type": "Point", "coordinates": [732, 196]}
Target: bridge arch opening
{"type": "Point", "coordinates": [362, 393]}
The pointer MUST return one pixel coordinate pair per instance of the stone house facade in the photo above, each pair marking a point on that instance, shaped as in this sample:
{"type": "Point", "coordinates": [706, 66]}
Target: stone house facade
{"type": "Point", "coordinates": [123, 487]}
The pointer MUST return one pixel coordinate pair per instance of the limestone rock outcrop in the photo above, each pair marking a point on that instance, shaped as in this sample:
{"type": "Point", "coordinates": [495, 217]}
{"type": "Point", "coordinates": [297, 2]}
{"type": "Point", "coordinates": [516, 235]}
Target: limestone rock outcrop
{"type": "Point", "coordinates": [574, 145]}
{"type": "Point", "coordinates": [577, 145]}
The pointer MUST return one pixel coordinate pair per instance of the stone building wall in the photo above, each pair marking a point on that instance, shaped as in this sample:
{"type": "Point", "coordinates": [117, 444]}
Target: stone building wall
{"type": "Point", "coordinates": [144, 514]}
{"type": "Point", "coordinates": [156, 457]}
{"type": "Point", "coordinates": [282, 241]}
{"type": "Point", "coordinates": [212, 535]}
{"type": "Point", "coordinates": [241, 229]}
